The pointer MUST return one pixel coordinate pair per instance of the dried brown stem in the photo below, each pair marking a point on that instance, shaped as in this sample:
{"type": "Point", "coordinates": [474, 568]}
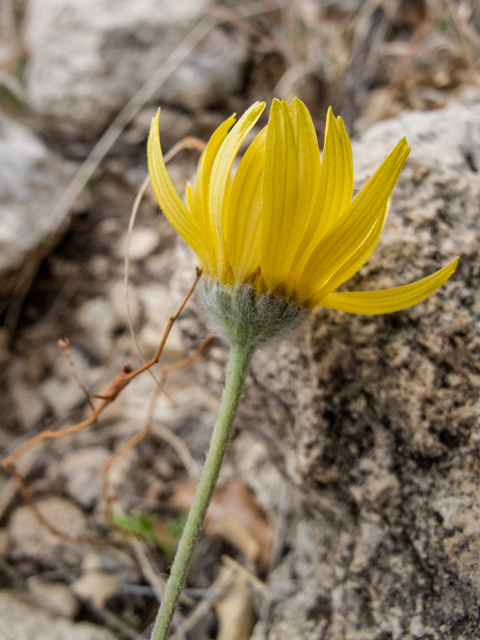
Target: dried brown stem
{"type": "Point", "coordinates": [193, 358]}
{"type": "Point", "coordinates": [120, 382]}
{"type": "Point", "coordinates": [65, 347]}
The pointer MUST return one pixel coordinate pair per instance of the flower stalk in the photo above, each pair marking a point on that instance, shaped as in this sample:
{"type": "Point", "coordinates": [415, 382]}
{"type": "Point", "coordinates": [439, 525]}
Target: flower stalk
{"type": "Point", "coordinates": [239, 360]}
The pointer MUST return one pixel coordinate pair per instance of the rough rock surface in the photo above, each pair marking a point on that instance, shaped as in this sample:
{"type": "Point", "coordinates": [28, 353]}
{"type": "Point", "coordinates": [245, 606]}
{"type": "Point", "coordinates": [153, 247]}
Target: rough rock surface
{"type": "Point", "coordinates": [20, 620]}
{"type": "Point", "coordinates": [31, 181]}
{"type": "Point", "coordinates": [87, 60]}
{"type": "Point", "coordinates": [375, 420]}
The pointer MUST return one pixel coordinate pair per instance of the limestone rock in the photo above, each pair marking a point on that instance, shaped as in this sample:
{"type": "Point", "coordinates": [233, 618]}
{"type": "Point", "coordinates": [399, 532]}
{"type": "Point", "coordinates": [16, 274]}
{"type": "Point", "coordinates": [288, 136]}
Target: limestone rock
{"type": "Point", "coordinates": [96, 586]}
{"type": "Point", "coordinates": [86, 60]}
{"type": "Point", "coordinates": [20, 620]}
{"type": "Point", "coordinates": [31, 181]}
{"type": "Point", "coordinates": [97, 318]}
{"type": "Point", "coordinates": [31, 539]}
{"type": "Point", "coordinates": [56, 597]}
{"type": "Point", "coordinates": [82, 474]}
{"type": "Point", "coordinates": [30, 407]}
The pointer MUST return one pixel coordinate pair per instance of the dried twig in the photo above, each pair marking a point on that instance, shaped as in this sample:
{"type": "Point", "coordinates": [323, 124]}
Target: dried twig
{"type": "Point", "coordinates": [120, 382]}
{"type": "Point", "coordinates": [153, 578]}
{"type": "Point", "coordinates": [170, 437]}
{"type": "Point", "coordinates": [65, 347]}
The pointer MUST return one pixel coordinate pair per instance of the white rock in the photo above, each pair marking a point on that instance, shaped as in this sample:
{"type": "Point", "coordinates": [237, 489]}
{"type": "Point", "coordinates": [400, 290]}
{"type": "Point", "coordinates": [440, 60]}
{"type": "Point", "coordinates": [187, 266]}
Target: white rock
{"type": "Point", "coordinates": [32, 539]}
{"type": "Point", "coordinates": [30, 407]}
{"type": "Point", "coordinates": [62, 395]}
{"type": "Point", "coordinates": [31, 181]}
{"type": "Point", "coordinates": [20, 621]}
{"type": "Point", "coordinates": [60, 365]}
{"type": "Point", "coordinates": [143, 241]}
{"type": "Point", "coordinates": [82, 471]}
{"type": "Point", "coordinates": [118, 299]}
{"type": "Point", "coordinates": [112, 562]}
{"type": "Point", "coordinates": [158, 309]}
{"type": "Point", "coordinates": [86, 59]}
{"type": "Point", "coordinates": [96, 586]}
{"type": "Point", "coordinates": [56, 597]}
{"type": "Point", "coordinates": [157, 303]}
{"type": "Point", "coordinates": [97, 318]}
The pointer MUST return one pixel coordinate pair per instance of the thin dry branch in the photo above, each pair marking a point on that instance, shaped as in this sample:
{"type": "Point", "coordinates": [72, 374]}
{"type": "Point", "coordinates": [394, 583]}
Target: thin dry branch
{"type": "Point", "coordinates": [65, 347]}
{"type": "Point", "coordinates": [170, 437]}
{"type": "Point", "coordinates": [121, 381]}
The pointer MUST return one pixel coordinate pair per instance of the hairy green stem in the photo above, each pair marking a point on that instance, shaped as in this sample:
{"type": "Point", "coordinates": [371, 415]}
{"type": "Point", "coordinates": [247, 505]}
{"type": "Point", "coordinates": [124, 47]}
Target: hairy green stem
{"type": "Point", "coordinates": [239, 359]}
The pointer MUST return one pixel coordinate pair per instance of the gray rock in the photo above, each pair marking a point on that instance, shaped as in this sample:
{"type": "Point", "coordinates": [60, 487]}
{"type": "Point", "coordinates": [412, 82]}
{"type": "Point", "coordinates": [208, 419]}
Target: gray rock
{"type": "Point", "coordinates": [31, 181]}
{"type": "Point", "coordinates": [61, 390]}
{"type": "Point", "coordinates": [86, 60]}
{"type": "Point", "coordinates": [22, 621]}
{"type": "Point", "coordinates": [97, 318]}
{"type": "Point", "coordinates": [118, 298]}
{"type": "Point", "coordinates": [375, 420]}
{"type": "Point", "coordinates": [158, 308]}
{"type": "Point", "coordinates": [29, 538]}
{"type": "Point", "coordinates": [29, 405]}
{"type": "Point", "coordinates": [56, 597]}
{"type": "Point", "coordinates": [82, 473]}
{"type": "Point", "coordinates": [62, 395]}
{"type": "Point", "coordinates": [143, 241]}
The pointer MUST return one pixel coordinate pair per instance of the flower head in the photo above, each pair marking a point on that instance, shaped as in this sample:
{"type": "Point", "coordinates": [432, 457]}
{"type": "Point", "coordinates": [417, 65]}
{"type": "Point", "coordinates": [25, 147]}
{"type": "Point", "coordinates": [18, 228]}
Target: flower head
{"type": "Point", "coordinates": [286, 225]}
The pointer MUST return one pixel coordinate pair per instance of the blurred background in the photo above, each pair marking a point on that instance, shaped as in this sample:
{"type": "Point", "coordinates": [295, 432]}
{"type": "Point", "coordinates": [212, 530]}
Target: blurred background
{"type": "Point", "coordinates": [79, 83]}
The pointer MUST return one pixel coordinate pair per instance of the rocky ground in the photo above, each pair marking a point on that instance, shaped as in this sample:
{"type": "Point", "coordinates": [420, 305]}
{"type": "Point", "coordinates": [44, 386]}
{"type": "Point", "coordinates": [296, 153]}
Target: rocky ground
{"type": "Point", "coordinates": [348, 507]}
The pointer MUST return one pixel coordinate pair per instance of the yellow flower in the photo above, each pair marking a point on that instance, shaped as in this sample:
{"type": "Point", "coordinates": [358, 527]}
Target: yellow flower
{"type": "Point", "coordinates": [286, 224]}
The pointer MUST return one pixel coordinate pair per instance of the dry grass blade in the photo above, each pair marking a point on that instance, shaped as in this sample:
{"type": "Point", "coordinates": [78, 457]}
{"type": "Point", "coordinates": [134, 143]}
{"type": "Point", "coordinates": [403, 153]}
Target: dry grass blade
{"type": "Point", "coordinates": [220, 587]}
{"type": "Point", "coordinates": [153, 578]}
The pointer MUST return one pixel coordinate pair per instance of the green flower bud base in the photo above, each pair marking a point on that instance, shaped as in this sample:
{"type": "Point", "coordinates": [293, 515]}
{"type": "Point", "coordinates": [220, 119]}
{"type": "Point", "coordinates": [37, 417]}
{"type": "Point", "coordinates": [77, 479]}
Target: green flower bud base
{"type": "Point", "coordinates": [242, 316]}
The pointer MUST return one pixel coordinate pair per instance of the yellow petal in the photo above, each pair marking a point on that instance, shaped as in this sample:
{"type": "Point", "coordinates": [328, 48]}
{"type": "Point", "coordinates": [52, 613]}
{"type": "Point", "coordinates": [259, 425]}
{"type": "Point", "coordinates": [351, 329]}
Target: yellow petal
{"type": "Point", "coordinates": [220, 176]}
{"type": "Point", "coordinates": [389, 300]}
{"type": "Point", "coordinates": [334, 193]}
{"type": "Point", "coordinates": [202, 180]}
{"type": "Point", "coordinates": [172, 205]}
{"type": "Point", "coordinates": [358, 259]}
{"type": "Point", "coordinates": [244, 214]}
{"type": "Point", "coordinates": [308, 176]}
{"type": "Point", "coordinates": [336, 178]}
{"type": "Point", "coordinates": [354, 225]}
{"type": "Point", "coordinates": [189, 193]}
{"type": "Point", "coordinates": [292, 164]}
